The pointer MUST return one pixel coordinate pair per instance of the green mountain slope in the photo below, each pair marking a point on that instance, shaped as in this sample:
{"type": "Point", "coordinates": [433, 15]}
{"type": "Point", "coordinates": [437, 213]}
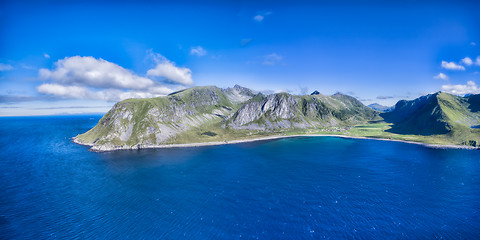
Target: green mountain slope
{"type": "Point", "coordinates": [212, 114]}
{"type": "Point", "coordinates": [206, 114]}
{"type": "Point", "coordinates": [437, 114]}
{"type": "Point", "coordinates": [155, 121]}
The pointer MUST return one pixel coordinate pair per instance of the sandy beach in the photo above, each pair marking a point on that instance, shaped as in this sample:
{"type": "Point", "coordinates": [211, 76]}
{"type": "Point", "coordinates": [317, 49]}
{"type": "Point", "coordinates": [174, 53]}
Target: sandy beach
{"type": "Point", "coordinates": [181, 145]}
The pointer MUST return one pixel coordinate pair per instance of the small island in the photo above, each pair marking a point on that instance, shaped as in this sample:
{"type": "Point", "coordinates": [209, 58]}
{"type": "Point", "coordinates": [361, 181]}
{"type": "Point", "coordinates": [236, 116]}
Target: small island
{"type": "Point", "coordinates": [209, 115]}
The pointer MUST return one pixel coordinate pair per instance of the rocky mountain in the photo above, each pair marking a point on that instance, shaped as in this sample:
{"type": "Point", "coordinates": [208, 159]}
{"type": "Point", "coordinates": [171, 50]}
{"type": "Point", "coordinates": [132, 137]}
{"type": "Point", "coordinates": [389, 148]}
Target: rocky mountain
{"type": "Point", "coordinates": [202, 114]}
{"type": "Point", "coordinates": [381, 108]}
{"type": "Point", "coordinates": [147, 122]}
{"type": "Point", "coordinates": [285, 111]}
{"type": "Point", "coordinates": [438, 113]}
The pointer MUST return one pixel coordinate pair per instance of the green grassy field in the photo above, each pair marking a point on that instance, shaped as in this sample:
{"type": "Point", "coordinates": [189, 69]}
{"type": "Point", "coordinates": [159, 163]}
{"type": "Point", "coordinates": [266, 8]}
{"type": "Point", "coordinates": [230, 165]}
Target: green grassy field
{"type": "Point", "coordinates": [215, 133]}
{"type": "Point", "coordinates": [379, 130]}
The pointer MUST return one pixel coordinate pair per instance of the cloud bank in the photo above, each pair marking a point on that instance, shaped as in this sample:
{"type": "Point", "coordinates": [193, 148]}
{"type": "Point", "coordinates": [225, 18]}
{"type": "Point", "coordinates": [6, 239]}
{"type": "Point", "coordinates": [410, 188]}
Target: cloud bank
{"type": "Point", "coordinates": [460, 89]}
{"type": "Point", "coordinates": [166, 70]}
{"type": "Point", "coordinates": [97, 79]}
{"type": "Point", "coordinates": [384, 97]}
{"type": "Point", "coordinates": [93, 72]}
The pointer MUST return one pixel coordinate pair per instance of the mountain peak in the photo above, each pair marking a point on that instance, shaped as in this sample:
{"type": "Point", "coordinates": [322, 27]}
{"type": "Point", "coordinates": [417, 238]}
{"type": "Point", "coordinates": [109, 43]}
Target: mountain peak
{"type": "Point", "coordinates": [436, 113]}
{"type": "Point", "coordinates": [236, 86]}
{"type": "Point", "coordinates": [381, 108]}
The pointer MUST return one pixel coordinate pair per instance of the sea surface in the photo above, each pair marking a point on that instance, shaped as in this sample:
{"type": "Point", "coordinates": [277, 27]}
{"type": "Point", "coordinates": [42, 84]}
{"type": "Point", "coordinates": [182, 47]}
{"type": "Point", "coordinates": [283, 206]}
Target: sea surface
{"type": "Point", "coordinates": [297, 188]}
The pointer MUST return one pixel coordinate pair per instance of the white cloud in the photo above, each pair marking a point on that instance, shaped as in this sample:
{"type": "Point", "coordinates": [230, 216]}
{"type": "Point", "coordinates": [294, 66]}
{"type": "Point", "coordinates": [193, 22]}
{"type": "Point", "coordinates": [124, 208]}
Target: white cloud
{"type": "Point", "coordinates": [477, 62]}
{"type": "Point", "coordinates": [199, 51]}
{"type": "Point", "coordinates": [5, 67]}
{"type": "Point", "coordinates": [441, 76]}
{"type": "Point", "coordinates": [271, 59]}
{"type": "Point", "coordinates": [473, 43]}
{"type": "Point", "coordinates": [452, 66]}
{"type": "Point", "coordinates": [81, 92]}
{"type": "Point", "coordinates": [46, 56]}
{"type": "Point", "coordinates": [94, 72]}
{"type": "Point", "coordinates": [258, 18]}
{"type": "Point", "coordinates": [467, 61]}
{"type": "Point", "coordinates": [470, 87]}
{"type": "Point", "coordinates": [97, 79]}
{"type": "Point", "coordinates": [65, 91]}
{"type": "Point", "coordinates": [168, 71]}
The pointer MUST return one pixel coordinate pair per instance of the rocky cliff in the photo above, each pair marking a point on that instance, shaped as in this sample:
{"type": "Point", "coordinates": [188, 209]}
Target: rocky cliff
{"type": "Point", "coordinates": [282, 110]}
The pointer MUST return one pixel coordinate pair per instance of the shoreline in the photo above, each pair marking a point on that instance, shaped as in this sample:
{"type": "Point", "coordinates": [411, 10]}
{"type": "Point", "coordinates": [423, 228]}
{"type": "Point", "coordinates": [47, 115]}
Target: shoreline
{"type": "Point", "coordinates": [274, 137]}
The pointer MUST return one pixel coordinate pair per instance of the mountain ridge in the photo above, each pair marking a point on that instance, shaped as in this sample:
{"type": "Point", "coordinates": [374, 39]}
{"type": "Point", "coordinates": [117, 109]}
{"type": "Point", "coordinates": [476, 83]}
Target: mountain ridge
{"type": "Point", "coordinates": [212, 114]}
{"type": "Point", "coordinates": [438, 114]}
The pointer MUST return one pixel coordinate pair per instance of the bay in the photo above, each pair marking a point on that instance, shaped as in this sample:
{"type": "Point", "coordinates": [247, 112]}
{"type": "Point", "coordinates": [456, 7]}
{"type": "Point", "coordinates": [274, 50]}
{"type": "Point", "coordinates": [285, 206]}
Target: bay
{"type": "Point", "coordinates": [295, 188]}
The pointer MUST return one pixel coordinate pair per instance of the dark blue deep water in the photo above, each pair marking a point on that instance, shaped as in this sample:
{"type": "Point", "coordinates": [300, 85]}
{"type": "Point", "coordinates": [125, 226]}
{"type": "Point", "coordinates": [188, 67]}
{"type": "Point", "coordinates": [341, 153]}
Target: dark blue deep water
{"type": "Point", "coordinates": [302, 188]}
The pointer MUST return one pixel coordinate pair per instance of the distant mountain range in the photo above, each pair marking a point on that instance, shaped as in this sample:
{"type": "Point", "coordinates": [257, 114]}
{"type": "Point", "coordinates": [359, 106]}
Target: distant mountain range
{"type": "Point", "coordinates": [212, 114]}
{"type": "Point", "coordinates": [381, 108]}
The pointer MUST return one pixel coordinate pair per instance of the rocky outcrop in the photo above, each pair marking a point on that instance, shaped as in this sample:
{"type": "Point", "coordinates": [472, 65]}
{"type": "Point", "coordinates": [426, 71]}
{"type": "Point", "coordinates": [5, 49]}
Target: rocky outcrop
{"type": "Point", "coordinates": [280, 111]}
{"type": "Point", "coordinates": [238, 94]}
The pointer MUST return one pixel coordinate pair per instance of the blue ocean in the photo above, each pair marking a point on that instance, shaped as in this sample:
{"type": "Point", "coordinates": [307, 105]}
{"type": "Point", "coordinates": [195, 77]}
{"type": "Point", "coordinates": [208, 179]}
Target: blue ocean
{"type": "Point", "coordinates": [297, 188]}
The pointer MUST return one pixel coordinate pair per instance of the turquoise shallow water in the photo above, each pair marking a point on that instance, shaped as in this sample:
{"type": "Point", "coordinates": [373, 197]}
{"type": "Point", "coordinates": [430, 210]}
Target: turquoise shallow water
{"type": "Point", "coordinates": [298, 188]}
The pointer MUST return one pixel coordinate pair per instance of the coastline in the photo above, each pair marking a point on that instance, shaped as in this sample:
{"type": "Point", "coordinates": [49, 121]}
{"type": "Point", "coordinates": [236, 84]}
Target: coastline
{"type": "Point", "coordinates": [104, 148]}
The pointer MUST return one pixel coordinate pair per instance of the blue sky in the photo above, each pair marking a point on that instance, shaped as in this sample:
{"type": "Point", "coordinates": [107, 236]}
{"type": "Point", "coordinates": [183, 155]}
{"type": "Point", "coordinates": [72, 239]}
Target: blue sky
{"type": "Point", "coordinates": [61, 57]}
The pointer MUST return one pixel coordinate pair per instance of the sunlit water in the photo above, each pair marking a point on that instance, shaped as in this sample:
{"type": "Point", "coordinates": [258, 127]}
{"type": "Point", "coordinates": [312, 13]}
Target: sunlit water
{"type": "Point", "coordinates": [299, 188]}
